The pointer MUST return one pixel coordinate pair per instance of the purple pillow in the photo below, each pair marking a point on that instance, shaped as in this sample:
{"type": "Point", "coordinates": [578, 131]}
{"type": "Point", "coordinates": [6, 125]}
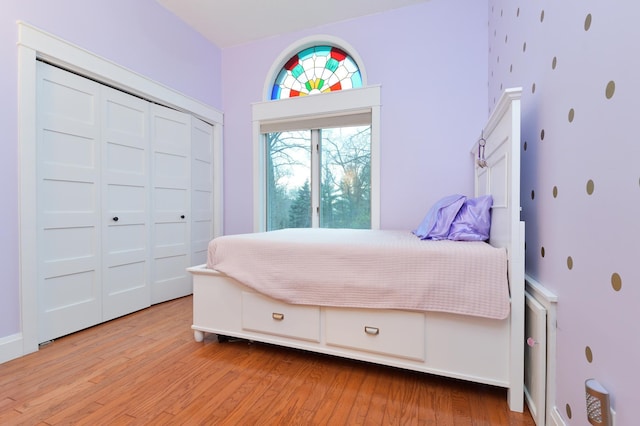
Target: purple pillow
{"type": "Point", "coordinates": [436, 224]}
{"type": "Point", "coordinates": [473, 221]}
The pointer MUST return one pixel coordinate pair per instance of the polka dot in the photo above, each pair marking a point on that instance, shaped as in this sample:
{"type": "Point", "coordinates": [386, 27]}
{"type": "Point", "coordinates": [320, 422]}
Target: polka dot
{"type": "Point", "coordinates": [511, 68]}
{"type": "Point", "coordinates": [570, 263]}
{"type": "Point", "coordinates": [506, 38]}
{"type": "Point", "coordinates": [568, 410]}
{"type": "Point", "coordinates": [533, 194]}
{"type": "Point", "coordinates": [524, 47]}
{"type": "Point", "coordinates": [590, 187]}
{"type": "Point", "coordinates": [554, 63]}
{"type": "Point", "coordinates": [616, 281]}
{"type": "Point", "coordinates": [587, 22]}
{"type": "Point", "coordinates": [524, 146]}
{"type": "Point", "coordinates": [555, 192]}
{"type": "Point", "coordinates": [572, 114]}
{"type": "Point", "coordinates": [542, 251]}
{"type": "Point", "coordinates": [518, 12]}
{"type": "Point", "coordinates": [588, 354]}
{"type": "Point", "coordinates": [542, 135]}
{"type": "Point", "coordinates": [533, 88]}
{"type": "Point", "coordinates": [610, 90]}
{"type": "Point", "coordinates": [498, 60]}
{"type": "Point", "coordinates": [542, 16]}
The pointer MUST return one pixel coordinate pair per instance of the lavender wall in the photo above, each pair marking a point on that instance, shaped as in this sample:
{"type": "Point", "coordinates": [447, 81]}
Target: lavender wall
{"type": "Point", "coordinates": [580, 181]}
{"type": "Point", "coordinates": [139, 35]}
{"type": "Point", "coordinates": [431, 62]}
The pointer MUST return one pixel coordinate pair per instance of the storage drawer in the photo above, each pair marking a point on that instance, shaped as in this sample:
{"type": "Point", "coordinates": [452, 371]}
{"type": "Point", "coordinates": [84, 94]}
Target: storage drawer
{"type": "Point", "coordinates": [395, 333]}
{"type": "Point", "coordinates": [266, 315]}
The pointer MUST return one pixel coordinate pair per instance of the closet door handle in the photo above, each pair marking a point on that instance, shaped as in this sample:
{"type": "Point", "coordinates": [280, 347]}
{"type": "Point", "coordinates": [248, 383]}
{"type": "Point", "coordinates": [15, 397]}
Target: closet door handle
{"type": "Point", "coordinates": [115, 218]}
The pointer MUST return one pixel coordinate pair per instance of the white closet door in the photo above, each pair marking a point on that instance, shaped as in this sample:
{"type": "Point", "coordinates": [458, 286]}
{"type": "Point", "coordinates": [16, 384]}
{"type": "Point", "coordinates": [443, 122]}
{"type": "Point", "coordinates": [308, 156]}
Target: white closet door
{"type": "Point", "coordinates": [201, 189]}
{"type": "Point", "coordinates": [125, 196]}
{"type": "Point", "coordinates": [171, 175]}
{"type": "Point", "coordinates": [68, 233]}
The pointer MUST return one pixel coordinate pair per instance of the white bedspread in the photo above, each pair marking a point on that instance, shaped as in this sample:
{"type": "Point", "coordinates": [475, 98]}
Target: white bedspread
{"type": "Point", "coordinates": [367, 269]}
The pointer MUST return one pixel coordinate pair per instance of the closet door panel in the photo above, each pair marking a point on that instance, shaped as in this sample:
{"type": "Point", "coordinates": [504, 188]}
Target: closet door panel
{"type": "Point", "coordinates": [121, 186]}
{"type": "Point", "coordinates": [171, 177]}
{"type": "Point", "coordinates": [68, 158]}
{"type": "Point", "coordinates": [201, 189]}
{"type": "Point", "coordinates": [126, 201]}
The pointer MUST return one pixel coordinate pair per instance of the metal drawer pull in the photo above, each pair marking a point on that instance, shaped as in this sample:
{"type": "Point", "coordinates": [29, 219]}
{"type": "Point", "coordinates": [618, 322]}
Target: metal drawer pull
{"type": "Point", "coordinates": [374, 331]}
{"type": "Point", "coordinates": [277, 316]}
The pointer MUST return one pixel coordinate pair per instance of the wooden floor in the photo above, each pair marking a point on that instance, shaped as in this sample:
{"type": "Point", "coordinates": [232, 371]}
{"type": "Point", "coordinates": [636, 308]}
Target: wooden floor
{"type": "Point", "coordinates": [146, 368]}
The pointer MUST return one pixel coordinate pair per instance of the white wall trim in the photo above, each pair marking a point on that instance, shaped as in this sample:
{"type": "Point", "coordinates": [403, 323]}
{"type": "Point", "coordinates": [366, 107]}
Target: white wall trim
{"type": "Point", "coordinates": [11, 347]}
{"type": "Point", "coordinates": [74, 58]}
{"type": "Point", "coordinates": [34, 44]}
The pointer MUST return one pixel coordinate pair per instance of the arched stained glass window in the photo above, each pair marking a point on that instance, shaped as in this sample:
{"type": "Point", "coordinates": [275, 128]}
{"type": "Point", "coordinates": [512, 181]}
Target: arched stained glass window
{"type": "Point", "coordinates": [317, 69]}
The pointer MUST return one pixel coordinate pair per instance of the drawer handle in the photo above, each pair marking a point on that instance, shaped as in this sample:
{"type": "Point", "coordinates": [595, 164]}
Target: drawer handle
{"type": "Point", "coordinates": [374, 331]}
{"type": "Point", "coordinates": [277, 316]}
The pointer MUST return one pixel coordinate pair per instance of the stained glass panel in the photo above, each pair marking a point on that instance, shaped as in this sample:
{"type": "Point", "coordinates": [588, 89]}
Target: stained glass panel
{"type": "Point", "coordinates": [314, 70]}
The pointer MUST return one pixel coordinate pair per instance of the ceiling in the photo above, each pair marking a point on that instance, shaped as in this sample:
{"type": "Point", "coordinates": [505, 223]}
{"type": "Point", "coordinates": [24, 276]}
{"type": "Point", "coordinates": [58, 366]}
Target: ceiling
{"type": "Point", "coordinates": [231, 22]}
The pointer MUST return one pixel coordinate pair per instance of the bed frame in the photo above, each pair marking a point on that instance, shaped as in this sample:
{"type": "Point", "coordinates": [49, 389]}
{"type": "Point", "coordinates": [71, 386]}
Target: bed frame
{"type": "Point", "coordinates": [470, 348]}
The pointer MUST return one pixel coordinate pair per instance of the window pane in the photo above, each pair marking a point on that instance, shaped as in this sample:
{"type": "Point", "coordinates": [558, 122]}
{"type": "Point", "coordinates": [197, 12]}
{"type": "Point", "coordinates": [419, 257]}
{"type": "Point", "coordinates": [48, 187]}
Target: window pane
{"type": "Point", "coordinates": [314, 70]}
{"type": "Point", "coordinates": [345, 177]}
{"type": "Point", "coordinates": [288, 180]}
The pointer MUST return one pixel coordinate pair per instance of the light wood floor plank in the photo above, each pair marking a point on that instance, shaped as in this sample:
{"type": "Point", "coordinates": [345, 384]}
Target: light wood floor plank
{"type": "Point", "coordinates": [146, 369]}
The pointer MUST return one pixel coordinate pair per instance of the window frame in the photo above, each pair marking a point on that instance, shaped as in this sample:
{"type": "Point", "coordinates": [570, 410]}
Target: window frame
{"type": "Point", "coordinates": [339, 106]}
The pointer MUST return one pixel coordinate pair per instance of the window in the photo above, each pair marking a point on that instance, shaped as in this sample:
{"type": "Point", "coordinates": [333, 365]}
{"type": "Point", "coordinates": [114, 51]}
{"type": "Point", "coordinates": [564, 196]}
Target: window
{"type": "Point", "coordinates": [317, 69]}
{"type": "Point", "coordinates": [316, 158]}
{"type": "Point", "coordinates": [338, 163]}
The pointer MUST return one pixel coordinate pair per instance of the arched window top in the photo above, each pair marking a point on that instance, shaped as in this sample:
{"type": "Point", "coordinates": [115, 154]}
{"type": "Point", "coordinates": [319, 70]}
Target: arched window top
{"type": "Point", "coordinates": [317, 69]}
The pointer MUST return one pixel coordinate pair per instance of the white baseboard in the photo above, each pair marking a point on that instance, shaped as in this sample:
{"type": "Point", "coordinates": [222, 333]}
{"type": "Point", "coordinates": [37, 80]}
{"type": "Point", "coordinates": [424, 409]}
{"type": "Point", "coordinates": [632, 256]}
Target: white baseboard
{"type": "Point", "coordinates": [556, 418]}
{"type": "Point", "coordinates": [11, 347]}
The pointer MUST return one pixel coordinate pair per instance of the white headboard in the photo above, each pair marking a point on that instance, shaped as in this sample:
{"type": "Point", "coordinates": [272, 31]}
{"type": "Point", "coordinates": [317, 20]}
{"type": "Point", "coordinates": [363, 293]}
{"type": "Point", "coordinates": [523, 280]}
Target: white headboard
{"type": "Point", "coordinates": [500, 177]}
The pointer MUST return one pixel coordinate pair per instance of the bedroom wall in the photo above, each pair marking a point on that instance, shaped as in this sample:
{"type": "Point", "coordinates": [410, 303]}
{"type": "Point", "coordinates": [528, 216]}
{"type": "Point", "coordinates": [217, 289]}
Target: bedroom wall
{"type": "Point", "coordinates": [581, 181]}
{"type": "Point", "coordinates": [433, 86]}
{"type": "Point", "coordinates": [139, 35]}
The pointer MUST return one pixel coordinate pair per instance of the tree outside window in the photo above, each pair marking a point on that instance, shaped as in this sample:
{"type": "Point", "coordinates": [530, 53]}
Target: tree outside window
{"type": "Point", "coordinates": [342, 182]}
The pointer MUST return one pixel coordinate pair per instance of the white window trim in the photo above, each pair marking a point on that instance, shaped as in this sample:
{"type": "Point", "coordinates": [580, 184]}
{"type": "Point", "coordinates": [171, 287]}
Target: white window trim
{"type": "Point", "coordinates": [333, 104]}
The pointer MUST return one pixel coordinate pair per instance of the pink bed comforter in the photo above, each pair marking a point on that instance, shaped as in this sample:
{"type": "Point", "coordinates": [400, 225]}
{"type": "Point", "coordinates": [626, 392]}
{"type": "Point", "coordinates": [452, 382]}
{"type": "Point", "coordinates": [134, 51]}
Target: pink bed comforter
{"type": "Point", "coordinates": [367, 269]}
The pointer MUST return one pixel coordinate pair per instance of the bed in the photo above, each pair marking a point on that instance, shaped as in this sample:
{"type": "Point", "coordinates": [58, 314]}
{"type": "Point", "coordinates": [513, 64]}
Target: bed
{"type": "Point", "coordinates": [459, 338]}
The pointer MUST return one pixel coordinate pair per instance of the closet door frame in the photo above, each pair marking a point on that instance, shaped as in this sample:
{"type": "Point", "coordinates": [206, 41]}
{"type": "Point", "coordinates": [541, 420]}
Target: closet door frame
{"type": "Point", "coordinates": [35, 44]}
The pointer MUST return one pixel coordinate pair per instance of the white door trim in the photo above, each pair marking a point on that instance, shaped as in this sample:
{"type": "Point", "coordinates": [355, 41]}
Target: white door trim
{"type": "Point", "coordinates": [34, 44]}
